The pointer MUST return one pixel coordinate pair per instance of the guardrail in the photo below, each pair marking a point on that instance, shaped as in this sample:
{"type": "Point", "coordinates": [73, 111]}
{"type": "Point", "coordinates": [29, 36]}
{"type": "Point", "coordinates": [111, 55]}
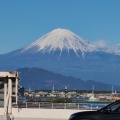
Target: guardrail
{"type": "Point", "coordinates": [46, 105]}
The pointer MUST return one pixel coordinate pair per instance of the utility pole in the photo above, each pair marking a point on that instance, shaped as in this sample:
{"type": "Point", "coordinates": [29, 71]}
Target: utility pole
{"type": "Point", "coordinates": [65, 93]}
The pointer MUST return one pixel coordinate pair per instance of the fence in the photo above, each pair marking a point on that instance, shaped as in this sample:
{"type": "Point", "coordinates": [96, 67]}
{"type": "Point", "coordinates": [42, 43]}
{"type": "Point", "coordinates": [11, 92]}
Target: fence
{"type": "Point", "coordinates": [47, 105]}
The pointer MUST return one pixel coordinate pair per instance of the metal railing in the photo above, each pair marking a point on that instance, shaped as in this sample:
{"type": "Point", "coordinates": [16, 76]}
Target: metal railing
{"type": "Point", "coordinates": [47, 105]}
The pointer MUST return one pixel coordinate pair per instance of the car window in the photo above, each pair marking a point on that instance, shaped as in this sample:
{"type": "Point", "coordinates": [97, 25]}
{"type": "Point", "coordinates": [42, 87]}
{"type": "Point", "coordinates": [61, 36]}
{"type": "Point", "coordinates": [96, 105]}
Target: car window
{"type": "Point", "coordinates": [115, 107]}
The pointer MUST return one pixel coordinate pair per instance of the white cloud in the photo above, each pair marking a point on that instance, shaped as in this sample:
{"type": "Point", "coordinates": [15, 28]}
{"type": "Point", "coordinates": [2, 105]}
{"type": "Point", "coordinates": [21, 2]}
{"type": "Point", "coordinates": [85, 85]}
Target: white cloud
{"type": "Point", "coordinates": [100, 44]}
{"type": "Point", "coordinates": [104, 46]}
{"type": "Point", "coordinates": [117, 49]}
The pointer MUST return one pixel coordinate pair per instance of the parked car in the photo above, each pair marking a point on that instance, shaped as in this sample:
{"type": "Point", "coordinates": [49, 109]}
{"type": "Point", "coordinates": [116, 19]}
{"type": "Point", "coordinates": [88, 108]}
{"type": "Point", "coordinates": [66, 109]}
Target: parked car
{"type": "Point", "coordinates": [109, 112]}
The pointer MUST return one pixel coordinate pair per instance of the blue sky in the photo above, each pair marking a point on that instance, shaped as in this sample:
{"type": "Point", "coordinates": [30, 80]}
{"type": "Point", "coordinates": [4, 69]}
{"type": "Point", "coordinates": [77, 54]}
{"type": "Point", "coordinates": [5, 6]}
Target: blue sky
{"type": "Point", "coordinates": [24, 21]}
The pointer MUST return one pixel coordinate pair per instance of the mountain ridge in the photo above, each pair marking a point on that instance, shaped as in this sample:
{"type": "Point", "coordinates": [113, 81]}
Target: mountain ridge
{"type": "Point", "coordinates": [37, 78]}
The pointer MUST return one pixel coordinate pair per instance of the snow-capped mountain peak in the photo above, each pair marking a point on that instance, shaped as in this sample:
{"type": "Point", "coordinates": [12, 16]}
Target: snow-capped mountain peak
{"type": "Point", "coordinates": [61, 39]}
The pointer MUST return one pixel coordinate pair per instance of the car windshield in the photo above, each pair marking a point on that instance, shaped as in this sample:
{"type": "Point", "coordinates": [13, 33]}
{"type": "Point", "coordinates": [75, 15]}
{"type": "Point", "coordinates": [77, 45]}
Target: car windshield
{"type": "Point", "coordinates": [113, 107]}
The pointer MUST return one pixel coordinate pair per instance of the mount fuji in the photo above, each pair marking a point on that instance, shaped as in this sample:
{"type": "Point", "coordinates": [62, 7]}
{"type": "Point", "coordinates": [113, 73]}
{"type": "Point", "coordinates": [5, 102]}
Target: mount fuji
{"type": "Point", "coordinates": [60, 39]}
{"type": "Point", "coordinates": [64, 52]}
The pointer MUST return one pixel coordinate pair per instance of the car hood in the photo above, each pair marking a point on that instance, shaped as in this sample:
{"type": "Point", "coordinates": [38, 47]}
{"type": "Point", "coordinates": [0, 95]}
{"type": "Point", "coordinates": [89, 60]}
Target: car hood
{"type": "Point", "coordinates": [84, 113]}
{"type": "Point", "coordinates": [81, 114]}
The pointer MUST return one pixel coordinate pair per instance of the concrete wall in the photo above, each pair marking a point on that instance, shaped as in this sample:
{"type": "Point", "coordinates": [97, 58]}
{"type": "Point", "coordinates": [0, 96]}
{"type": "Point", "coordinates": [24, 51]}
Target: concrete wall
{"type": "Point", "coordinates": [3, 117]}
{"type": "Point", "coordinates": [41, 114]}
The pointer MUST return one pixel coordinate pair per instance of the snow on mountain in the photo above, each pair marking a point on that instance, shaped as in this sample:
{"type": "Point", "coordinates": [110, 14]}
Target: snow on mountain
{"type": "Point", "coordinates": [60, 39]}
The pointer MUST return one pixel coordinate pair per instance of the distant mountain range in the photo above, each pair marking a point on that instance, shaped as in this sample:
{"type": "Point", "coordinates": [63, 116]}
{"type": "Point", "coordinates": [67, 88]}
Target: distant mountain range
{"type": "Point", "coordinates": [37, 79]}
{"type": "Point", "coordinates": [64, 52]}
